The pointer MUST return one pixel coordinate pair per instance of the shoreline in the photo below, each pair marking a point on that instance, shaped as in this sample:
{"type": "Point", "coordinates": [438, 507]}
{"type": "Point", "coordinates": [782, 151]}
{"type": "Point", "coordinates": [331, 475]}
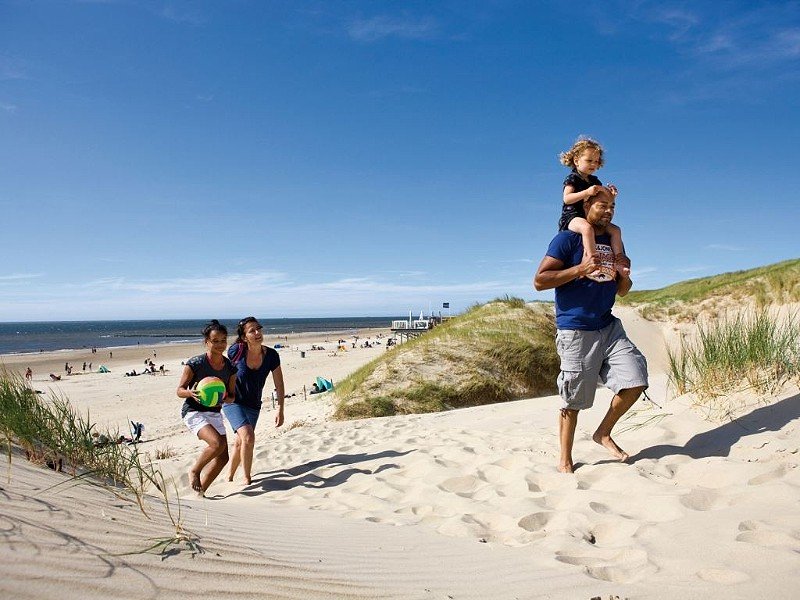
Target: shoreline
{"type": "Point", "coordinates": [363, 332]}
{"type": "Point", "coordinates": [170, 354]}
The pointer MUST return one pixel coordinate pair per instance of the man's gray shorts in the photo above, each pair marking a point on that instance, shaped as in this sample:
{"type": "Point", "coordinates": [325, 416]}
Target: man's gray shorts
{"type": "Point", "coordinates": [606, 356]}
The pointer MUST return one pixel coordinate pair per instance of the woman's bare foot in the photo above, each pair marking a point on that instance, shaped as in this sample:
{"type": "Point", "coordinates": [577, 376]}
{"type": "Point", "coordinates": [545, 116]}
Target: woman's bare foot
{"type": "Point", "coordinates": [606, 442]}
{"type": "Point", "coordinates": [248, 481]}
{"type": "Point", "coordinates": [566, 468]}
{"type": "Point", "coordinates": [194, 479]}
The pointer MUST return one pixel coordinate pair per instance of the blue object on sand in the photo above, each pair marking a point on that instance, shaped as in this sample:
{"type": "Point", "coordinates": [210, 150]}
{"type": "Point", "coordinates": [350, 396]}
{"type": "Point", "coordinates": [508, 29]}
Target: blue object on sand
{"type": "Point", "coordinates": [323, 384]}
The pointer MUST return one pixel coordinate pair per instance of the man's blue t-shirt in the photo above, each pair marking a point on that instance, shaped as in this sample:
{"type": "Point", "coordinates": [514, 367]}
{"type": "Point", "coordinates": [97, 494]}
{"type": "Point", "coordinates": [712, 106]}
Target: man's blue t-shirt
{"type": "Point", "coordinates": [582, 303]}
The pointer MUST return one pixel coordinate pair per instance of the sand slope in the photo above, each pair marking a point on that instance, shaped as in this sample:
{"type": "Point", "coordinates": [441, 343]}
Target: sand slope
{"type": "Point", "coordinates": [464, 504]}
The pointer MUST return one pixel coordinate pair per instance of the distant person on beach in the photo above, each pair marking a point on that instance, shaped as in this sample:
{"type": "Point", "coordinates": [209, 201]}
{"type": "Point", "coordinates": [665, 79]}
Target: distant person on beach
{"type": "Point", "coordinates": [590, 340]}
{"type": "Point", "coordinates": [253, 362]}
{"type": "Point", "coordinates": [28, 374]}
{"type": "Point", "coordinates": [585, 157]}
{"type": "Point", "coordinates": [203, 421]}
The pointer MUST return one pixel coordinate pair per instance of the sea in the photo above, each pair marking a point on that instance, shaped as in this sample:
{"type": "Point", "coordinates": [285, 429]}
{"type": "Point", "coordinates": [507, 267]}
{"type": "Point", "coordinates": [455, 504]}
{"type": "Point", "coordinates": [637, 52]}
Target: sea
{"type": "Point", "coordinates": [18, 338]}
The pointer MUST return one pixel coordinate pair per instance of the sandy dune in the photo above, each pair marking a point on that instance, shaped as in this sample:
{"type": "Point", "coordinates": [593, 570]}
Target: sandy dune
{"type": "Point", "coordinates": [463, 504]}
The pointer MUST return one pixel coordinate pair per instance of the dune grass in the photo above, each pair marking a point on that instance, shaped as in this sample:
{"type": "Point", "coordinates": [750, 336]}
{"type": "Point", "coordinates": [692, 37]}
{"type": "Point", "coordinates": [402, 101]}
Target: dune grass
{"type": "Point", "coordinates": [756, 348]}
{"type": "Point", "coordinates": [495, 352]}
{"type": "Point", "coordinates": [778, 283]}
{"type": "Point", "coordinates": [50, 430]}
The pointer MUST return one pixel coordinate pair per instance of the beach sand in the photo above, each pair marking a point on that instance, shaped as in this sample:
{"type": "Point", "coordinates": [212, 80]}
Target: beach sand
{"type": "Point", "coordinates": [462, 504]}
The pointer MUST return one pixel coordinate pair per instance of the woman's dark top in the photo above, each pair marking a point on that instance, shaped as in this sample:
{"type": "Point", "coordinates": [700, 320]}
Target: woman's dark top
{"type": "Point", "coordinates": [570, 211]}
{"type": "Point", "coordinates": [201, 369]}
{"type": "Point", "coordinates": [250, 382]}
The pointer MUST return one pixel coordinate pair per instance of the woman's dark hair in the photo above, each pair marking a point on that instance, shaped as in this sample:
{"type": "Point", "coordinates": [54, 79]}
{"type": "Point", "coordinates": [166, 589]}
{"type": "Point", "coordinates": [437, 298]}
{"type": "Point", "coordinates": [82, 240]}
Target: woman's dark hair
{"type": "Point", "coordinates": [214, 325]}
{"type": "Point", "coordinates": [240, 329]}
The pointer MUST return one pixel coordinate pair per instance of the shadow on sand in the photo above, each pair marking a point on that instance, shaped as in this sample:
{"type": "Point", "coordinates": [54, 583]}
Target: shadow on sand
{"type": "Point", "coordinates": [303, 475]}
{"type": "Point", "coordinates": [719, 441]}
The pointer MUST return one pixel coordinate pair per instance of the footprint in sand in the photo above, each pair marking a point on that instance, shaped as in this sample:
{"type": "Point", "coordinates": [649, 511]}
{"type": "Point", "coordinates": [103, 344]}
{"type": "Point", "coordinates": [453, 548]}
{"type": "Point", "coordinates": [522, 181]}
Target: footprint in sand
{"type": "Point", "coordinates": [461, 486]}
{"type": "Point", "coordinates": [617, 566]}
{"type": "Point", "coordinates": [769, 476]}
{"type": "Point", "coordinates": [536, 521]}
{"type": "Point", "coordinates": [611, 533]}
{"type": "Point", "coordinates": [762, 534]}
{"type": "Point", "coordinates": [448, 464]}
{"type": "Point", "coordinates": [659, 510]}
{"type": "Point", "coordinates": [496, 475]}
{"type": "Point", "coordinates": [704, 499]}
{"type": "Point", "coordinates": [422, 510]}
{"type": "Point", "coordinates": [548, 482]}
{"type": "Point", "coordinates": [723, 576]}
{"type": "Point", "coordinates": [512, 463]}
{"type": "Point", "coordinates": [574, 523]}
{"type": "Point", "coordinates": [599, 508]}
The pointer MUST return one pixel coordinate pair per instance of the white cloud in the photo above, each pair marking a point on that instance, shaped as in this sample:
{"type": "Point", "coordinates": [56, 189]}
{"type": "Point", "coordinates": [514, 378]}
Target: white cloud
{"type": "Point", "coordinates": [20, 277]}
{"type": "Point", "coordinates": [643, 272]}
{"type": "Point", "coordinates": [266, 293]}
{"type": "Point", "coordinates": [185, 14]}
{"type": "Point", "coordinates": [9, 108]}
{"type": "Point", "coordinates": [380, 27]}
{"type": "Point", "coordinates": [725, 247]}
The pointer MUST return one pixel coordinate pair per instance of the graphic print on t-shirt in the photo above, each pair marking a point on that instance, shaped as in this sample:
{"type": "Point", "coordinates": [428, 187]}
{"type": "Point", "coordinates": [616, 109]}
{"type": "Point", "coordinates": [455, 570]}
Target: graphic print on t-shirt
{"type": "Point", "coordinates": [606, 270]}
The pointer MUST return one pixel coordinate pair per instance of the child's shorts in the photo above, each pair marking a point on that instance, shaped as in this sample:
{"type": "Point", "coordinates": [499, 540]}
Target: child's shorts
{"type": "Point", "coordinates": [196, 420]}
{"type": "Point", "coordinates": [606, 356]}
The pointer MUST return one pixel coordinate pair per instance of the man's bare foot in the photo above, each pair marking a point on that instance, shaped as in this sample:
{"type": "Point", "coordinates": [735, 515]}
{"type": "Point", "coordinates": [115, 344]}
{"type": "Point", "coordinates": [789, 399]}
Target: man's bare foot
{"type": "Point", "coordinates": [194, 479]}
{"type": "Point", "coordinates": [606, 442]}
{"type": "Point", "coordinates": [566, 468]}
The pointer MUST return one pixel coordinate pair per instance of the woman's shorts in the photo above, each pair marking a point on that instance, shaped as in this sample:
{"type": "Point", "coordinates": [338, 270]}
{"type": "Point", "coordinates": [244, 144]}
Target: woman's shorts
{"type": "Point", "coordinates": [239, 416]}
{"type": "Point", "coordinates": [196, 420]}
{"type": "Point", "coordinates": [606, 356]}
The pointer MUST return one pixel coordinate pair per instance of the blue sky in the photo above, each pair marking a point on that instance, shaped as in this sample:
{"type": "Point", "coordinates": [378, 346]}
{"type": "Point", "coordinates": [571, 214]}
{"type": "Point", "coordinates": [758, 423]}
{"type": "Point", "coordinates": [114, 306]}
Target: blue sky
{"type": "Point", "coordinates": [211, 159]}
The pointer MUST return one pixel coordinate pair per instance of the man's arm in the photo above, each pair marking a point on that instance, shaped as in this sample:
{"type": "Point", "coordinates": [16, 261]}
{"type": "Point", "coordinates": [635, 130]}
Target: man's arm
{"type": "Point", "coordinates": [624, 284]}
{"type": "Point", "coordinates": [552, 274]}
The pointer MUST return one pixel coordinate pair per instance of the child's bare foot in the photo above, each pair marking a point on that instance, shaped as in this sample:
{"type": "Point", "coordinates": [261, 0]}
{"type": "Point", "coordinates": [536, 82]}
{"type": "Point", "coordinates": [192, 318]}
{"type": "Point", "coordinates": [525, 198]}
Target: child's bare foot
{"type": "Point", "coordinates": [565, 468]}
{"type": "Point", "coordinates": [609, 444]}
{"type": "Point", "coordinates": [194, 479]}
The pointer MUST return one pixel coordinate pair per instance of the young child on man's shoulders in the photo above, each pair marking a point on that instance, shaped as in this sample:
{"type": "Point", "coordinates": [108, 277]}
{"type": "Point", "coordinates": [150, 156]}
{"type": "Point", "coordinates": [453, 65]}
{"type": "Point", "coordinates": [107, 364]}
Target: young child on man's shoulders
{"type": "Point", "coordinates": [585, 157]}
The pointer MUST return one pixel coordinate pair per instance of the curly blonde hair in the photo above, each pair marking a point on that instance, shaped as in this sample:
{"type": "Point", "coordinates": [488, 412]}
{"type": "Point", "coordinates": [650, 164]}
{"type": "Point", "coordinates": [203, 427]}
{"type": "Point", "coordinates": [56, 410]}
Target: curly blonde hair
{"type": "Point", "coordinates": [582, 144]}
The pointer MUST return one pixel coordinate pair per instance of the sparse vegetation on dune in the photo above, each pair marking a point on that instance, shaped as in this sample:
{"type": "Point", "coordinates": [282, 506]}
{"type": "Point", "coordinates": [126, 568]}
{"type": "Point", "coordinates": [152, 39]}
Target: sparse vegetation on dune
{"type": "Point", "coordinates": [773, 284]}
{"type": "Point", "coordinates": [495, 352]}
{"type": "Point", "coordinates": [50, 431]}
{"type": "Point", "coordinates": [758, 350]}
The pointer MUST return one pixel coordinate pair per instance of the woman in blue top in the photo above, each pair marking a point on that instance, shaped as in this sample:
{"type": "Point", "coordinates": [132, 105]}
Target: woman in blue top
{"type": "Point", "coordinates": [253, 362]}
{"type": "Point", "coordinates": [204, 421]}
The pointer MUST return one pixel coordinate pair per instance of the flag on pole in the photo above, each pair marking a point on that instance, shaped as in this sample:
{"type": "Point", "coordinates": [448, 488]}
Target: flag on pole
{"type": "Point", "coordinates": [445, 305]}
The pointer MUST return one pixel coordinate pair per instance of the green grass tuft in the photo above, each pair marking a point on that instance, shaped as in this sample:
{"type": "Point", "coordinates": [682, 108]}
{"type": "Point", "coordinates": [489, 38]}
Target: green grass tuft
{"type": "Point", "coordinates": [757, 348]}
